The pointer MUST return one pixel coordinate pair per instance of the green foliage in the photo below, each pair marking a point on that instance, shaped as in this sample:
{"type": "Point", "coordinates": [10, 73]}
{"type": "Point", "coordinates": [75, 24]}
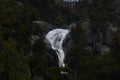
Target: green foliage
{"type": "Point", "coordinates": [38, 64]}
{"type": "Point", "coordinates": [56, 73]}
{"type": "Point", "coordinates": [115, 46]}
{"type": "Point", "coordinates": [16, 27]}
{"type": "Point", "coordinates": [89, 66]}
{"type": "Point", "coordinates": [11, 63]}
{"type": "Point", "coordinates": [52, 12]}
{"type": "Point", "coordinates": [38, 61]}
{"type": "Point", "coordinates": [14, 34]}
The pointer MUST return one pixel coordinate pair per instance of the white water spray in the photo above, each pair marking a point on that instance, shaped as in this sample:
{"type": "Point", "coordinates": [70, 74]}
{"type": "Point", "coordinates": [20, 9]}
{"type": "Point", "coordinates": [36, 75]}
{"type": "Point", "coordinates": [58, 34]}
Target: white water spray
{"type": "Point", "coordinates": [55, 38]}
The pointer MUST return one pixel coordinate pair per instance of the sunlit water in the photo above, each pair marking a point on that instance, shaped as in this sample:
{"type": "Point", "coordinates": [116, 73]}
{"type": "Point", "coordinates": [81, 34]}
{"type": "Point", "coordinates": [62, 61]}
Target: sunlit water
{"type": "Point", "coordinates": [55, 38]}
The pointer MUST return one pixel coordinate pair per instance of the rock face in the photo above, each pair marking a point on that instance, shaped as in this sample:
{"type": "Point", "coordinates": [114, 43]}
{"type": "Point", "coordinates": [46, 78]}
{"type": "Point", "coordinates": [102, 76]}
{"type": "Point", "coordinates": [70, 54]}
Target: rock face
{"type": "Point", "coordinates": [98, 40]}
{"type": "Point", "coordinates": [44, 26]}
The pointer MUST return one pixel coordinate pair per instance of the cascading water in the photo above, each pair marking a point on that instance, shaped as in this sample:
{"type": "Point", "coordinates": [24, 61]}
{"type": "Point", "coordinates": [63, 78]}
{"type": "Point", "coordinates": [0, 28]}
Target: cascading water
{"type": "Point", "coordinates": [55, 38]}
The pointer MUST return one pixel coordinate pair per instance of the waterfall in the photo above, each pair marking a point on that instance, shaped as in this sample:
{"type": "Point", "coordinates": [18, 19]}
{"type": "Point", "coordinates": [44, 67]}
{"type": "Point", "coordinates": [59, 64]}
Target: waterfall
{"type": "Point", "coordinates": [55, 38]}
